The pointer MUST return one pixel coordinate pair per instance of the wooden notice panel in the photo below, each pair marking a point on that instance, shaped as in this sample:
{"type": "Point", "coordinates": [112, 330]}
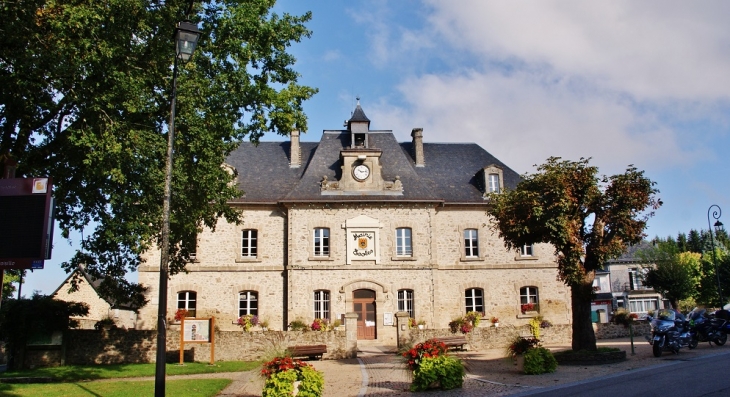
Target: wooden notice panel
{"type": "Point", "coordinates": [197, 330]}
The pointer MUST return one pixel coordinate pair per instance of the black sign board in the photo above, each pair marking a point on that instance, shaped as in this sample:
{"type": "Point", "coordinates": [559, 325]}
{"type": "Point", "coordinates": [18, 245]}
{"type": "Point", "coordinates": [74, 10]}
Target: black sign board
{"type": "Point", "coordinates": [26, 222]}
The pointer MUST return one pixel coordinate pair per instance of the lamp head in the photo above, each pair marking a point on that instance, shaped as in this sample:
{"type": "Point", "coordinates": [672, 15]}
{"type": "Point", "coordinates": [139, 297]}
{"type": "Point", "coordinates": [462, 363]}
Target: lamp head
{"type": "Point", "coordinates": [186, 39]}
{"type": "Point", "coordinates": [718, 227]}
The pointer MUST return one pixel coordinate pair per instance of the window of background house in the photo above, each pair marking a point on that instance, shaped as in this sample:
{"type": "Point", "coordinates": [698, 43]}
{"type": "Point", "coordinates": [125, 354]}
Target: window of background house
{"type": "Point", "coordinates": [493, 183]}
{"type": "Point", "coordinates": [191, 245]}
{"type": "Point", "coordinates": [526, 250]}
{"type": "Point", "coordinates": [636, 278]}
{"type": "Point", "coordinates": [474, 300]}
{"type": "Point", "coordinates": [403, 242]}
{"type": "Point", "coordinates": [248, 303]}
{"type": "Point", "coordinates": [471, 243]}
{"type": "Point", "coordinates": [186, 300]}
{"type": "Point", "coordinates": [405, 302]}
{"type": "Point", "coordinates": [321, 241]}
{"type": "Point", "coordinates": [249, 243]}
{"type": "Point", "coordinates": [322, 304]}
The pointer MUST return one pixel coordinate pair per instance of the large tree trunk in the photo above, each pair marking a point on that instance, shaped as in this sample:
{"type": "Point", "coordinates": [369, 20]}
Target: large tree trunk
{"type": "Point", "coordinates": [583, 336]}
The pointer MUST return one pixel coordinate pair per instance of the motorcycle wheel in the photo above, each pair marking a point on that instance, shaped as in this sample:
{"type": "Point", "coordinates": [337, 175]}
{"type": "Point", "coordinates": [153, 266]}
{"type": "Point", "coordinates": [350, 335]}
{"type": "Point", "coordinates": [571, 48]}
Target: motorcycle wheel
{"type": "Point", "coordinates": [722, 339]}
{"type": "Point", "coordinates": [656, 349]}
{"type": "Point", "coordinates": [693, 342]}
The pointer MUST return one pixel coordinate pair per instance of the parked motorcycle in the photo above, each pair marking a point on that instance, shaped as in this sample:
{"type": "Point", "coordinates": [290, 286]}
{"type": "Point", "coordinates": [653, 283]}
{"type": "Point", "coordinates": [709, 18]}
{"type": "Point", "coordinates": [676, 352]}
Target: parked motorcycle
{"type": "Point", "coordinates": [707, 328]}
{"type": "Point", "coordinates": [669, 331]}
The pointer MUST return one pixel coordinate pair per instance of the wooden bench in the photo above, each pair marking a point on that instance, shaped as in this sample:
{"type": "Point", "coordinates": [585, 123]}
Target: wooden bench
{"type": "Point", "coordinates": [310, 351]}
{"type": "Point", "coordinates": [453, 342]}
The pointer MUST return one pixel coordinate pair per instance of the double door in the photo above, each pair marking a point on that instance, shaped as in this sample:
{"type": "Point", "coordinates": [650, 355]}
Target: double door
{"type": "Point", "coordinates": [363, 301]}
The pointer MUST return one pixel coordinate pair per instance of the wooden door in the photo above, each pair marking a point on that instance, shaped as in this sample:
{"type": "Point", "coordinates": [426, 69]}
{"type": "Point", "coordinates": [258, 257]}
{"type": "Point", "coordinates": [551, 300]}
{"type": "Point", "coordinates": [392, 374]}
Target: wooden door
{"type": "Point", "coordinates": [363, 301]}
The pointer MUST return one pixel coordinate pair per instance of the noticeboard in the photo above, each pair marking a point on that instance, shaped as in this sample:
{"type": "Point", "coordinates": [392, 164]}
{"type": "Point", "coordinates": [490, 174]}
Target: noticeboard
{"type": "Point", "coordinates": [26, 219]}
{"type": "Point", "coordinates": [196, 330]}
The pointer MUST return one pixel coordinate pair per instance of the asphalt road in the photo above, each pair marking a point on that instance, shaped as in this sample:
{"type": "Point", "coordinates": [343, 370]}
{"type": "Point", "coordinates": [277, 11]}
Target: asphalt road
{"type": "Point", "coordinates": [707, 376]}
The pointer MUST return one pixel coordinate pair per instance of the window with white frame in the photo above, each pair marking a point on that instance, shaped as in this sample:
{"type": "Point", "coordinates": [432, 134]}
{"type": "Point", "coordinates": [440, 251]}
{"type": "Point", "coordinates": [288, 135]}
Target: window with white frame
{"type": "Point", "coordinates": [474, 300]}
{"type": "Point", "coordinates": [494, 183]}
{"type": "Point", "coordinates": [322, 304]}
{"type": "Point", "coordinates": [471, 243]}
{"type": "Point", "coordinates": [405, 302]}
{"type": "Point", "coordinates": [321, 241]}
{"type": "Point", "coordinates": [529, 299]}
{"type": "Point", "coordinates": [186, 300]}
{"type": "Point", "coordinates": [403, 245]}
{"type": "Point", "coordinates": [248, 303]}
{"type": "Point", "coordinates": [191, 245]}
{"type": "Point", "coordinates": [526, 250]}
{"type": "Point", "coordinates": [643, 305]}
{"type": "Point", "coordinates": [249, 243]}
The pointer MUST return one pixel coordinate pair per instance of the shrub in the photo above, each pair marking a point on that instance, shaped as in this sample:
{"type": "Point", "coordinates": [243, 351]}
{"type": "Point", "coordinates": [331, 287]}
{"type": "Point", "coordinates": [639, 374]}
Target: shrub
{"type": "Point", "coordinates": [298, 325]}
{"type": "Point", "coordinates": [624, 317]}
{"type": "Point", "coordinates": [539, 360]}
{"type": "Point", "coordinates": [428, 349]}
{"type": "Point", "coordinates": [282, 372]}
{"type": "Point", "coordinates": [320, 324]}
{"type": "Point", "coordinates": [520, 345]}
{"type": "Point", "coordinates": [443, 372]}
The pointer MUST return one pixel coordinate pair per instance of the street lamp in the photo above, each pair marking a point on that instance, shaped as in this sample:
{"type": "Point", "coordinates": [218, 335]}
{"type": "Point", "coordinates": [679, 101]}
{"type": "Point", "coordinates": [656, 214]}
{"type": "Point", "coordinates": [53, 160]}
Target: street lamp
{"type": "Point", "coordinates": [186, 38]}
{"type": "Point", "coordinates": [718, 227]}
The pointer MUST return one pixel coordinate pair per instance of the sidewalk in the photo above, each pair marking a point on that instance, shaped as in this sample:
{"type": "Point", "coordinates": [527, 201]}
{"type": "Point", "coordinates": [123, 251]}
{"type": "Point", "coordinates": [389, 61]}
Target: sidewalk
{"type": "Point", "coordinates": [379, 372]}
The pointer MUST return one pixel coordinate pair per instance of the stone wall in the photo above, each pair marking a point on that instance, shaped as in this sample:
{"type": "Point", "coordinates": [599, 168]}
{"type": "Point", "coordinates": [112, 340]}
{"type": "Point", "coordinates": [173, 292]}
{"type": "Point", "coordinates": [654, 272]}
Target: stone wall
{"type": "Point", "coordinates": [611, 331]}
{"type": "Point", "coordinates": [482, 338]}
{"type": "Point", "coordinates": [86, 347]}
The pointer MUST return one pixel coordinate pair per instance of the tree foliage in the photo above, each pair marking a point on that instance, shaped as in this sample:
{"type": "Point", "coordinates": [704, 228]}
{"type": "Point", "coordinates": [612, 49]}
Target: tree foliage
{"type": "Point", "coordinates": [23, 319]}
{"type": "Point", "coordinates": [674, 274]}
{"type": "Point", "coordinates": [86, 100]}
{"type": "Point", "coordinates": [587, 218]}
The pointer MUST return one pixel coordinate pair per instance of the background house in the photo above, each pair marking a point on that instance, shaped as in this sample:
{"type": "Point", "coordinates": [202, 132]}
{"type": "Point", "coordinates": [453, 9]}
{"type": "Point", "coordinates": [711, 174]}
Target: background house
{"type": "Point", "coordinates": [124, 316]}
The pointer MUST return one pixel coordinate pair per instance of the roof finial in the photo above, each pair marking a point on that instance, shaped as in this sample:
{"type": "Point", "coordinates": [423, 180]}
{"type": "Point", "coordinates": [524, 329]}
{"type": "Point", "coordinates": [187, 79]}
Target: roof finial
{"type": "Point", "coordinates": [358, 99]}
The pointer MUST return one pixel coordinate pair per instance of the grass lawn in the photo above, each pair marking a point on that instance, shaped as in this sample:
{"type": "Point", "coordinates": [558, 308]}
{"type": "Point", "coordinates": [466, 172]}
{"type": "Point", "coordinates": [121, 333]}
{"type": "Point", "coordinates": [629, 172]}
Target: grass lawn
{"type": "Point", "coordinates": [177, 388]}
{"type": "Point", "coordinates": [76, 373]}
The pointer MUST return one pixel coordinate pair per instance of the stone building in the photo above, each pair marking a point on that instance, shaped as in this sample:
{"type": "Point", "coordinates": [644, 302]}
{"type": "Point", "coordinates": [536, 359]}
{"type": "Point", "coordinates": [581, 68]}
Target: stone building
{"type": "Point", "coordinates": [123, 315]}
{"type": "Point", "coordinates": [359, 222]}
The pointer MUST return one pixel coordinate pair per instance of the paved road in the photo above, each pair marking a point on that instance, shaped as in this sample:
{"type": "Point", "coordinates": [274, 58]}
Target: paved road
{"type": "Point", "coordinates": [706, 376]}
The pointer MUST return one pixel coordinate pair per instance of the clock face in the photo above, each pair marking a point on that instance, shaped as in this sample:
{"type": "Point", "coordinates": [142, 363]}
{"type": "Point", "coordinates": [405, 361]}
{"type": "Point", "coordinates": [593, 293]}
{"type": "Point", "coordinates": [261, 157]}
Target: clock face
{"type": "Point", "coordinates": [361, 172]}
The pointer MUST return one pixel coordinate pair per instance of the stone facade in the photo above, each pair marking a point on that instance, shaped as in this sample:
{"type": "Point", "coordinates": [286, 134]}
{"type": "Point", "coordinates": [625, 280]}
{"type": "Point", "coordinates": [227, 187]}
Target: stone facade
{"type": "Point", "coordinates": [363, 188]}
{"type": "Point", "coordinates": [98, 307]}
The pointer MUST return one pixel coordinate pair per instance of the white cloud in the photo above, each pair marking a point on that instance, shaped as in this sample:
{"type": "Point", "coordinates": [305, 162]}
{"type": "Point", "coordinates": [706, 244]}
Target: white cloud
{"type": "Point", "coordinates": [647, 49]}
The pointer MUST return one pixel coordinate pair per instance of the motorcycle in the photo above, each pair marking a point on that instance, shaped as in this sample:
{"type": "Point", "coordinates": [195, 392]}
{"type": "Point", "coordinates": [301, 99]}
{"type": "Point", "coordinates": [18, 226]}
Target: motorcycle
{"type": "Point", "coordinates": [704, 328]}
{"type": "Point", "coordinates": [669, 331]}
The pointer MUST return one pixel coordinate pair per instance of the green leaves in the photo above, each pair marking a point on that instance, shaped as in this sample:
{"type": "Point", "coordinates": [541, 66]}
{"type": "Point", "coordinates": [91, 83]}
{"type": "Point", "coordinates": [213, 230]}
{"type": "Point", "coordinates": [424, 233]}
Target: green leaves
{"type": "Point", "coordinates": [86, 100]}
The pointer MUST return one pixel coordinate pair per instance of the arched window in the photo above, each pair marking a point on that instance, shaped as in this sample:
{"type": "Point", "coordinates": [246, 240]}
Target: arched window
{"type": "Point", "coordinates": [248, 303]}
{"type": "Point", "coordinates": [474, 300]}
{"type": "Point", "coordinates": [186, 300]}
{"type": "Point", "coordinates": [322, 304]}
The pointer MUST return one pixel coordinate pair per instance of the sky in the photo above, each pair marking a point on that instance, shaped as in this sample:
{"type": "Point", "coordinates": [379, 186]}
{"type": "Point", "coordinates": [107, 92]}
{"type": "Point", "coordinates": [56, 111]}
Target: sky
{"type": "Point", "coordinates": [642, 83]}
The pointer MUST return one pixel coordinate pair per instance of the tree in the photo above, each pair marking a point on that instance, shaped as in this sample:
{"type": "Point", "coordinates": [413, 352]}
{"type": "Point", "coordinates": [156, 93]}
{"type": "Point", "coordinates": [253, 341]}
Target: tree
{"type": "Point", "coordinates": [86, 99]}
{"type": "Point", "coordinates": [24, 319]}
{"type": "Point", "coordinates": [557, 204]}
{"type": "Point", "coordinates": [10, 277]}
{"type": "Point", "coordinates": [674, 274]}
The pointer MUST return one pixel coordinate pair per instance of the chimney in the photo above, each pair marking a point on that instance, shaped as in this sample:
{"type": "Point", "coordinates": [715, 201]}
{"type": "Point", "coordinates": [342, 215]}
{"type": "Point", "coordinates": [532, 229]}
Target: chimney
{"type": "Point", "coordinates": [295, 152]}
{"type": "Point", "coordinates": [417, 135]}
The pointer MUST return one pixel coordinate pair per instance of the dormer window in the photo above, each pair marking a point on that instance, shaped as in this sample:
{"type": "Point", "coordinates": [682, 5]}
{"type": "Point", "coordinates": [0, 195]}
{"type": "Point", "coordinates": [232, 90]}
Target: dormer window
{"type": "Point", "coordinates": [493, 179]}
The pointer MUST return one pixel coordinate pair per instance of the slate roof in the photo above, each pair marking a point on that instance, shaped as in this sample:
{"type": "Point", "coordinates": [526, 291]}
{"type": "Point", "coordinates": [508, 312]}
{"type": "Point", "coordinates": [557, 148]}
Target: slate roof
{"type": "Point", "coordinates": [95, 286]}
{"type": "Point", "coordinates": [452, 171]}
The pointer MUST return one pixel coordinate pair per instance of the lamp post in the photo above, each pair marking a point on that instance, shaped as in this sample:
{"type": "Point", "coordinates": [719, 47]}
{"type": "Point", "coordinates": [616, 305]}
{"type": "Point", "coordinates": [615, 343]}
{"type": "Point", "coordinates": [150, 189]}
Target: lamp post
{"type": "Point", "coordinates": [718, 227]}
{"type": "Point", "coordinates": [186, 38]}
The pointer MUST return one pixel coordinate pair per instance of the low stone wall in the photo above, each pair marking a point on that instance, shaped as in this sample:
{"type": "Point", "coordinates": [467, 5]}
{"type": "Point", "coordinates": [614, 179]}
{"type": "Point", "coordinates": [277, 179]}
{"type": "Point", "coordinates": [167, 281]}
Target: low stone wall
{"type": "Point", "coordinates": [85, 347]}
{"type": "Point", "coordinates": [482, 338]}
{"type": "Point", "coordinates": [612, 331]}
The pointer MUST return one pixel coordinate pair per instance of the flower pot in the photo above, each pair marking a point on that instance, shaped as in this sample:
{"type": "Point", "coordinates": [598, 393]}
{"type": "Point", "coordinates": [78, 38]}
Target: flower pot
{"type": "Point", "coordinates": [420, 326]}
{"type": "Point", "coordinates": [520, 363]}
{"type": "Point", "coordinates": [496, 325]}
{"type": "Point", "coordinates": [296, 387]}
